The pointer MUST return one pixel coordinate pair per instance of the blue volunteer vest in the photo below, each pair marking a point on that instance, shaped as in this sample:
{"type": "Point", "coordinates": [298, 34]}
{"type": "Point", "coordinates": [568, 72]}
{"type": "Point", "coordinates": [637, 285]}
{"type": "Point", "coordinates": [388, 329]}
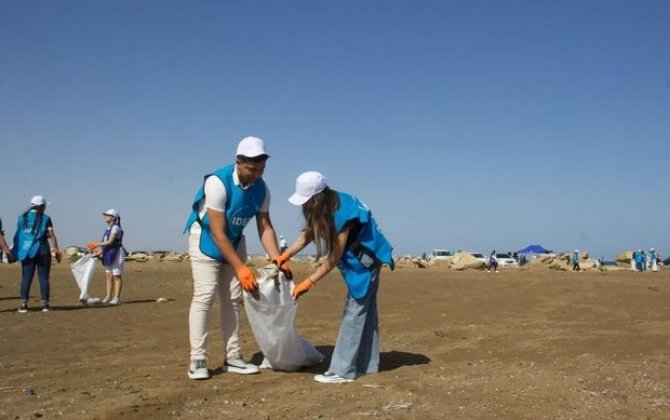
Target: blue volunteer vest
{"type": "Point", "coordinates": [370, 243]}
{"type": "Point", "coordinates": [110, 252]}
{"type": "Point", "coordinates": [241, 206]}
{"type": "Point", "coordinates": [28, 237]}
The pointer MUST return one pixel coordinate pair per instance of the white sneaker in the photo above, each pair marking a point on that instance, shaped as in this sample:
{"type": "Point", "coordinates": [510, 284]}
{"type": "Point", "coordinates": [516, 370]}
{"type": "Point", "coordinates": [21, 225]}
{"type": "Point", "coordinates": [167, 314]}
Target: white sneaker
{"type": "Point", "coordinates": [197, 369]}
{"type": "Point", "coordinates": [331, 378]}
{"type": "Point", "coordinates": [265, 364]}
{"type": "Point", "coordinates": [92, 301]}
{"type": "Point", "coordinates": [115, 301]}
{"type": "Point", "coordinates": [106, 300]}
{"type": "Point", "coordinates": [238, 365]}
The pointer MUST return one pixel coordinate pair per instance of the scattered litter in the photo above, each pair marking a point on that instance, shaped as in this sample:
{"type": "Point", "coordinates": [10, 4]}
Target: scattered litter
{"type": "Point", "coordinates": [400, 405]}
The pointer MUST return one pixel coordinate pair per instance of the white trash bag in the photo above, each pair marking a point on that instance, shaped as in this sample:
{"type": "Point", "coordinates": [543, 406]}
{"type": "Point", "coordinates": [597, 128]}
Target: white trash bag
{"type": "Point", "coordinates": [83, 270]}
{"type": "Point", "coordinates": [272, 320]}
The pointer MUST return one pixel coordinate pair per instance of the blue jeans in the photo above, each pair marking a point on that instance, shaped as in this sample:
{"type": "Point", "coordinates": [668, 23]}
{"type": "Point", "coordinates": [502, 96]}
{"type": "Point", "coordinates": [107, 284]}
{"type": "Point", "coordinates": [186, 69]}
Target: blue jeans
{"type": "Point", "coordinates": [41, 262]}
{"type": "Point", "coordinates": [357, 348]}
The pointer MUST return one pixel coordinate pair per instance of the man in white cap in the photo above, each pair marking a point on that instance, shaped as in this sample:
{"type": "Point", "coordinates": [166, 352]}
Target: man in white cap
{"type": "Point", "coordinates": [229, 198]}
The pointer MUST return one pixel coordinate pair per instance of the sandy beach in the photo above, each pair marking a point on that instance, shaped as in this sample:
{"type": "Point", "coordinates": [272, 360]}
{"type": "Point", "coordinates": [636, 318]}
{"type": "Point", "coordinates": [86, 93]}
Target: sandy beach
{"type": "Point", "coordinates": [519, 344]}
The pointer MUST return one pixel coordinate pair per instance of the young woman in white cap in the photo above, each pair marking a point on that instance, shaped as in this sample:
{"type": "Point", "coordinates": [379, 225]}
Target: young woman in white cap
{"type": "Point", "coordinates": [228, 199]}
{"type": "Point", "coordinates": [34, 242]}
{"type": "Point", "coordinates": [113, 256]}
{"type": "Point", "coordinates": [344, 231]}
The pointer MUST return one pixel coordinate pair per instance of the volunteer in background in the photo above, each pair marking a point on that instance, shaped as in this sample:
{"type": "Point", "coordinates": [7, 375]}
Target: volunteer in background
{"type": "Point", "coordinates": [229, 198]}
{"type": "Point", "coordinates": [113, 256]}
{"type": "Point", "coordinates": [493, 262]}
{"type": "Point", "coordinates": [575, 261]}
{"type": "Point", "coordinates": [345, 233]}
{"type": "Point", "coordinates": [653, 260]}
{"type": "Point", "coordinates": [4, 248]}
{"type": "Point", "coordinates": [34, 241]}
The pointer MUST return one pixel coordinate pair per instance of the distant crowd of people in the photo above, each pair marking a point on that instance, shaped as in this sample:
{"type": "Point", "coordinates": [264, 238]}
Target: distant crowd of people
{"type": "Point", "coordinates": [641, 260]}
{"type": "Point", "coordinates": [649, 261]}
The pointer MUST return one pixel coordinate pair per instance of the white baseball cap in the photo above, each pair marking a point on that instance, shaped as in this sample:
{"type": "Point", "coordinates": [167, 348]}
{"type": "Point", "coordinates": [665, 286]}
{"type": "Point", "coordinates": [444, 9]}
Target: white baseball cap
{"type": "Point", "coordinates": [112, 212]}
{"type": "Point", "coordinates": [307, 185]}
{"type": "Point", "coordinates": [251, 147]}
{"type": "Point", "coordinates": [38, 200]}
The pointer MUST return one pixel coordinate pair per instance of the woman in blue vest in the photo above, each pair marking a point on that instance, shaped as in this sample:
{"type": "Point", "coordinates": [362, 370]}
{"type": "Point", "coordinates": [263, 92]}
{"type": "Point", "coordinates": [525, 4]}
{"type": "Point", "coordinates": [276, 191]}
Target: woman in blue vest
{"type": "Point", "coordinates": [345, 233]}
{"type": "Point", "coordinates": [113, 256]}
{"type": "Point", "coordinates": [33, 243]}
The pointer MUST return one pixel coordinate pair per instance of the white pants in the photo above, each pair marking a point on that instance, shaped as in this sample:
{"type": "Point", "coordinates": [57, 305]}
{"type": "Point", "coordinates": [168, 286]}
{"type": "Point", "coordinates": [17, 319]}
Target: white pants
{"type": "Point", "coordinates": [209, 278]}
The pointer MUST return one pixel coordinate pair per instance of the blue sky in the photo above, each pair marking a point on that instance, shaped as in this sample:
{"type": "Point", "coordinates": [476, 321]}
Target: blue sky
{"type": "Point", "coordinates": [462, 124]}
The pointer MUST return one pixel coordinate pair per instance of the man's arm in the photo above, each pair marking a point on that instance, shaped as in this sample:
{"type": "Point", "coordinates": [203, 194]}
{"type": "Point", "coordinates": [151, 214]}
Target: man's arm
{"type": "Point", "coordinates": [267, 235]}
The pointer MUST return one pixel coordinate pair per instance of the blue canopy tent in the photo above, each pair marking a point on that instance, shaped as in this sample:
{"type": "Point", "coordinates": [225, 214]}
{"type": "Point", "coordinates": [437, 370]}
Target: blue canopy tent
{"type": "Point", "coordinates": [534, 249]}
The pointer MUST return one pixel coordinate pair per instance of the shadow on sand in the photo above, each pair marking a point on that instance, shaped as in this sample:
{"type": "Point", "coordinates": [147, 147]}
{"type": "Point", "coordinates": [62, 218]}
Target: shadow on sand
{"type": "Point", "coordinates": [37, 307]}
{"type": "Point", "coordinates": [388, 360]}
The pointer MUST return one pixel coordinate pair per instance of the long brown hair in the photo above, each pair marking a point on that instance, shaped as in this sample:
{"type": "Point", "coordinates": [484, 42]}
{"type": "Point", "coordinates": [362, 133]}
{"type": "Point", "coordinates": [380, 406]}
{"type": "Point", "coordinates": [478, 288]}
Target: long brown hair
{"type": "Point", "coordinates": [319, 222]}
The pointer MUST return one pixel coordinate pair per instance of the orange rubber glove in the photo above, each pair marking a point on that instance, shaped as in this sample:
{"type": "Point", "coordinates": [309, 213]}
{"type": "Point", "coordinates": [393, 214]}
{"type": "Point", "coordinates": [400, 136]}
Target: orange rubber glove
{"type": "Point", "coordinates": [282, 262]}
{"type": "Point", "coordinates": [247, 279]}
{"type": "Point", "coordinates": [93, 245]}
{"type": "Point", "coordinates": [302, 288]}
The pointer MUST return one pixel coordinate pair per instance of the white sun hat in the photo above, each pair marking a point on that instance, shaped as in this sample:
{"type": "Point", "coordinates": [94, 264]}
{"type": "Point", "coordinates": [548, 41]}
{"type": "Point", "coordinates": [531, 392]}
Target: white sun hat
{"type": "Point", "coordinates": [251, 147]}
{"type": "Point", "coordinates": [112, 212]}
{"type": "Point", "coordinates": [307, 185]}
{"type": "Point", "coordinates": [38, 200]}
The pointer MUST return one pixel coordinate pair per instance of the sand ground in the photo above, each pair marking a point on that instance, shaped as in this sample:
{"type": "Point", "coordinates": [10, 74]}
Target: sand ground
{"type": "Point", "coordinates": [463, 345]}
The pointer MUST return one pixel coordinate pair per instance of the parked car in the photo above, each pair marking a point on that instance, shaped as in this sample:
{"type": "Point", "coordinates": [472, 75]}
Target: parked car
{"type": "Point", "coordinates": [441, 254]}
{"type": "Point", "coordinates": [506, 260]}
{"type": "Point", "coordinates": [479, 256]}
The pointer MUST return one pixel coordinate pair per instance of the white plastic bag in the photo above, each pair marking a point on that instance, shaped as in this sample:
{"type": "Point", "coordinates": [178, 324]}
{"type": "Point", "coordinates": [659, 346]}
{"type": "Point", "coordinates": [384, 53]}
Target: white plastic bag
{"type": "Point", "coordinates": [83, 273]}
{"type": "Point", "coordinates": [272, 319]}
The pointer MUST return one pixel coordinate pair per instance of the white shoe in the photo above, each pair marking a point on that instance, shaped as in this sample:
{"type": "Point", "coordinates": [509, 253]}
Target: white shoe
{"type": "Point", "coordinates": [106, 300]}
{"type": "Point", "coordinates": [197, 369]}
{"type": "Point", "coordinates": [265, 364]}
{"type": "Point", "coordinates": [115, 301]}
{"type": "Point", "coordinates": [331, 378]}
{"type": "Point", "coordinates": [238, 365]}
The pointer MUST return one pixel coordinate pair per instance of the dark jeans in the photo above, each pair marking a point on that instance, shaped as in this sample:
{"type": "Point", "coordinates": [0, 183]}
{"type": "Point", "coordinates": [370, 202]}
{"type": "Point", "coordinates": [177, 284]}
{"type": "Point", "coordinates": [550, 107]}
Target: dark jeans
{"type": "Point", "coordinates": [41, 262]}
